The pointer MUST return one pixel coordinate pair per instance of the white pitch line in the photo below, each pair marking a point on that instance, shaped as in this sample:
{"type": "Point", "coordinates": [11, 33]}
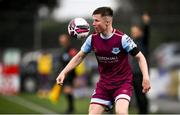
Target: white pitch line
{"type": "Point", "coordinates": [28, 104]}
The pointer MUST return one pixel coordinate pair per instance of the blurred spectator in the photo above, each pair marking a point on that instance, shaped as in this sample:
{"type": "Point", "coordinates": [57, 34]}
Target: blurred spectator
{"type": "Point", "coordinates": [67, 52]}
{"type": "Point", "coordinates": [44, 65]}
{"type": "Point", "coordinates": [140, 34]}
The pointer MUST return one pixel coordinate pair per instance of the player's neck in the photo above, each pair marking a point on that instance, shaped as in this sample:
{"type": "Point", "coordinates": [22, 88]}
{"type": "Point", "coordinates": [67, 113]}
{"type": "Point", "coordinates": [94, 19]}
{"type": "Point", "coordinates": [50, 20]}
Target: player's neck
{"type": "Point", "coordinates": [108, 32]}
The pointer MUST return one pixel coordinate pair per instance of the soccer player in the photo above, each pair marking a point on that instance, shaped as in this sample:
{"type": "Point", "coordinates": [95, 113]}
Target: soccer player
{"type": "Point", "coordinates": [111, 48]}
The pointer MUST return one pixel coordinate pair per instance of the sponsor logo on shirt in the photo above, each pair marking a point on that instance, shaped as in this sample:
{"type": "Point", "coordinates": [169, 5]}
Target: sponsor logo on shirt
{"type": "Point", "coordinates": [107, 59]}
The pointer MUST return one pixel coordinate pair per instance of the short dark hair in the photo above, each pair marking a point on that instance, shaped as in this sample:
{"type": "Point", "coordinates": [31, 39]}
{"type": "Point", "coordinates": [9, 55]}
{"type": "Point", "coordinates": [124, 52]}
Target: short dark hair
{"type": "Point", "coordinates": [104, 11]}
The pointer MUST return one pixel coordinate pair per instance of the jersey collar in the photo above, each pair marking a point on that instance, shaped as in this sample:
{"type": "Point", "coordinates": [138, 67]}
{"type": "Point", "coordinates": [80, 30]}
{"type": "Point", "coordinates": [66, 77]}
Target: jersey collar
{"type": "Point", "coordinates": [107, 37]}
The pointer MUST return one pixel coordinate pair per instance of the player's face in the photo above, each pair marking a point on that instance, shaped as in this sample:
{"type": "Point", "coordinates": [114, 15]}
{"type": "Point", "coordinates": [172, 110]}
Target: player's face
{"type": "Point", "coordinates": [99, 23]}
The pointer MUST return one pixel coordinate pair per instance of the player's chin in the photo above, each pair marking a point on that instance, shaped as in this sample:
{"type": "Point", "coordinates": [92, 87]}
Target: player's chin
{"type": "Point", "coordinates": [97, 31]}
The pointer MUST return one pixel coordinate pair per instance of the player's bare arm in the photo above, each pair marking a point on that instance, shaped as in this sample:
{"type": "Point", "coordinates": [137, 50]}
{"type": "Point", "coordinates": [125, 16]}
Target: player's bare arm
{"type": "Point", "coordinates": [76, 60]}
{"type": "Point", "coordinates": [144, 69]}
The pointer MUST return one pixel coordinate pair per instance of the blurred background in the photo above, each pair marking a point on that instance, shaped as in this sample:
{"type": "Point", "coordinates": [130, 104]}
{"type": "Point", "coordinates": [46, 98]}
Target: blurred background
{"type": "Point", "coordinates": [28, 29]}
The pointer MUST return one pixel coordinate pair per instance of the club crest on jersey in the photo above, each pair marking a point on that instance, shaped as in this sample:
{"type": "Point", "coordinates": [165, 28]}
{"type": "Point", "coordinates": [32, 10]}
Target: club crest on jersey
{"type": "Point", "coordinates": [115, 50]}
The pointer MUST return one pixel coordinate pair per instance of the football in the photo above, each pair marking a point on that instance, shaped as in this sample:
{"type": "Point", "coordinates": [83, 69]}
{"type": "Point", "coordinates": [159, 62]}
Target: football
{"type": "Point", "coordinates": [78, 28]}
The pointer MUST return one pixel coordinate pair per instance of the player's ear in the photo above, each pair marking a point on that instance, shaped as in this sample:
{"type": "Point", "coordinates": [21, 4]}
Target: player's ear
{"type": "Point", "coordinates": [108, 20]}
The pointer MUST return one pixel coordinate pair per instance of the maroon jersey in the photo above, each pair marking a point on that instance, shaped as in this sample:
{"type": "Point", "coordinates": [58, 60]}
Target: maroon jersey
{"type": "Point", "coordinates": [112, 60]}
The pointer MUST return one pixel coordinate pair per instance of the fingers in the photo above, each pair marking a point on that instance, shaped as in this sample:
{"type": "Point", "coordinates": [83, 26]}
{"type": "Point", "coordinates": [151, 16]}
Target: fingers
{"type": "Point", "coordinates": [145, 90]}
{"type": "Point", "coordinates": [146, 86]}
{"type": "Point", "coordinates": [59, 82]}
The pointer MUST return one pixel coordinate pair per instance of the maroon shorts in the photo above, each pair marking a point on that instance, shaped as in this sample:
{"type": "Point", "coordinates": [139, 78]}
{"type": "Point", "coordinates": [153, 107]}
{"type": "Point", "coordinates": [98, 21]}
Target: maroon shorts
{"type": "Point", "coordinates": [106, 96]}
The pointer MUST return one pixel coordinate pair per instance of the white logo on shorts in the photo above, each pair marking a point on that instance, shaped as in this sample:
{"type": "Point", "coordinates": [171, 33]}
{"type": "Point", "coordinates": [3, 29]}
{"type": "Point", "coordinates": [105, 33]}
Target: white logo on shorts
{"type": "Point", "coordinates": [94, 92]}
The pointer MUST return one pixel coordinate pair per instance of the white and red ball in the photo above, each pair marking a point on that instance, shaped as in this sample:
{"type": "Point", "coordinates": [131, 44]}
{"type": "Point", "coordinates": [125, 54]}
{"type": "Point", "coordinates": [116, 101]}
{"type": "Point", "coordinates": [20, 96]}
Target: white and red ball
{"type": "Point", "coordinates": [78, 28]}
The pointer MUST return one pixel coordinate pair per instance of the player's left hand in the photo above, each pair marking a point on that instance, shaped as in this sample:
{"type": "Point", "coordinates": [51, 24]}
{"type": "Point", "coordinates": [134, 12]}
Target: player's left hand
{"type": "Point", "coordinates": [146, 85]}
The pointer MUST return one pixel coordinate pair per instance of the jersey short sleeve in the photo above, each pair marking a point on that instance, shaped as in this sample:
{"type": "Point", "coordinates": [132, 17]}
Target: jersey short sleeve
{"type": "Point", "coordinates": [86, 47]}
{"type": "Point", "coordinates": [127, 43]}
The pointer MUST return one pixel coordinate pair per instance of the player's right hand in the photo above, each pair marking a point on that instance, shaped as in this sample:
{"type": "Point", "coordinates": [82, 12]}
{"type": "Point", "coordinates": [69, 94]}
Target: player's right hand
{"type": "Point", "coordinates": [60, 78]}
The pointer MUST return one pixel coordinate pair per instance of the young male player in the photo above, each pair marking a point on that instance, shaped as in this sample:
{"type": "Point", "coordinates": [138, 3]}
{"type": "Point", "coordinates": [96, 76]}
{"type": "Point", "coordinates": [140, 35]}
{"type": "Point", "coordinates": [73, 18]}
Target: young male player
{"type": "Point", "coordinates": [111, 48]}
